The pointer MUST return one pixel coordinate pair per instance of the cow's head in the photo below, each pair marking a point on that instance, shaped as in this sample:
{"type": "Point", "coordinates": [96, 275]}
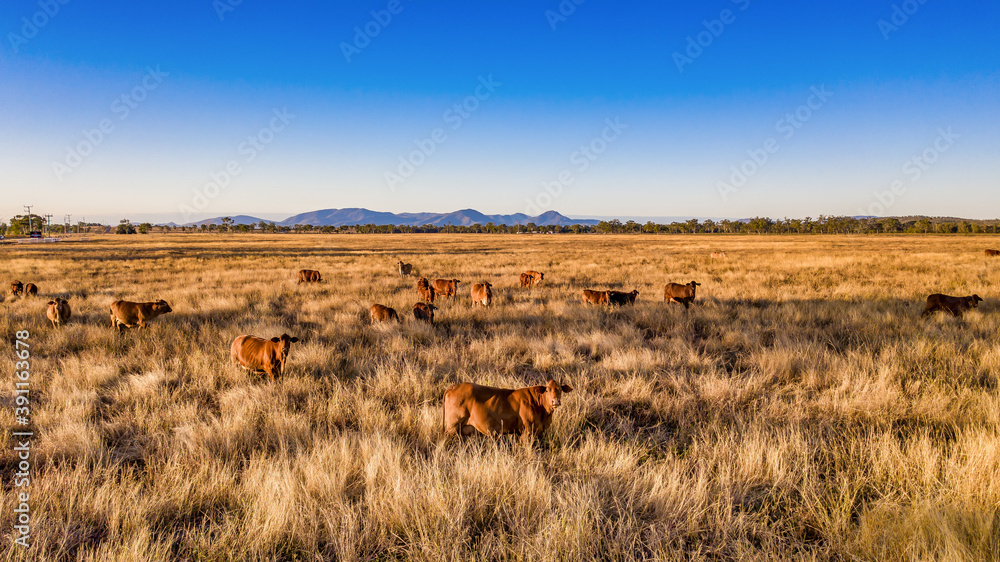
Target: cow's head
{"type": "Point", "coordinates": [161, 307]}
{"type": "Point", "coordinates": [541, 276]}
{"type": "Point", "coordinates": [456, 282]}
{"type": "Point", "coordinates": [974, 300]}
{"type": "Point", "coordinates": [552, 397]}
{"type": "Point", "coordinates": [285, 342]}
{"type": "Point", "coordinates": [634, 293]}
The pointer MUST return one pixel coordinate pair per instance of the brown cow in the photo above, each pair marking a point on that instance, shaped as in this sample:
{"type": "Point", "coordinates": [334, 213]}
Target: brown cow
{"type": "Point", "coordinates": [470, 407]}
{"type": "Point", "coordinates": [380, 313]}
{"type": "Point", "coordinates": [260, 355]}
{"type": "Point", "coordinates": [680, 294]}
{"type": "Point", "coordinates": [529, 278]}
{"type": "Point", "coordinates": [992, 253]}
{"type": "Point", "coordinates": [30, 290]}
{"type": "Point", "coordinates": [309, 276]}
{"type": "Point", "coordinates": [955, 305]}
{"type": "Point", "coordinates": [424, 289]}
{"type": "Point", "coordinates": [404, 268]}
{"type": "Point", "coordinates": [595, 297]}
{"type": "Point", "coordinates": [619, 298]}
{"type": "Point", "coordinates": [482, 293]}
{"type": "Point", "coordinates": [131, 314]}
{"type": "Point", "coordinates": [58, 312]}
{"type": "Point", "coordinates": [17, 288]}
{"type": "Point", "coordinates": [424, 312]}
{"type": "Point", "coordinates": [718, 255]}
{"type": "Point", "coordinates": [446, 287]}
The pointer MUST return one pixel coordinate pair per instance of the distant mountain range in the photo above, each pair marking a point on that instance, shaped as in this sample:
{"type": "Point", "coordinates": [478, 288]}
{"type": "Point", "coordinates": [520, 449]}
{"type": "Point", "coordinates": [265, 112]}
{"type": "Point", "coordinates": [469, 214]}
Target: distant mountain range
{"type": "Point", "coordinates": [351, 217]}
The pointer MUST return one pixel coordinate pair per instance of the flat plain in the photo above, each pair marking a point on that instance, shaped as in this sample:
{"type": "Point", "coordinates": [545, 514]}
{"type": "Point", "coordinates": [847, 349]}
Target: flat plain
{"type": "Point", "coordinates": [801, 409]}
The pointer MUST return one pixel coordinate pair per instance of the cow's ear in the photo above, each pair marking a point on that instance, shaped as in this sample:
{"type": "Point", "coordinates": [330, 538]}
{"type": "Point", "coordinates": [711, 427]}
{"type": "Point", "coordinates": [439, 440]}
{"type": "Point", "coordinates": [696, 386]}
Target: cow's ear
{"type": "Point", "coordinates": [567, 388]}
{"type": "Point", "coordinates": [294, 339]}
{"type": "Point", "coordinates": [275, 339]}
{"type": "Point", "coordinates": [52, 302]}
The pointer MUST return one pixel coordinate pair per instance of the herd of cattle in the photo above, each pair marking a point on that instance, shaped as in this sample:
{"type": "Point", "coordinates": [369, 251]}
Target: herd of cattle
{"type": "Point", "coordinates": [467, 407]}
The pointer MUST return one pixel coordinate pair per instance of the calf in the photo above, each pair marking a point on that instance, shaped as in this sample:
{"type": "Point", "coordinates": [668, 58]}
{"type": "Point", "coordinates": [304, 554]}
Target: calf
{"type": "Point", "coordinates": [482, 293]}
{"type": "Point", "coordinates": [468, 408]}
{"type": "Point", "coordinates": [131, 314]}
{"type": "Point", "coordinates": [30, 290]}
{"type": "Point", "coordinates": [446, 287]}
{"type": "Point", "coordinates": [404, 268]}
{"type": "Point", "coordinates": [619, 298]}
{"type": "Point", "coordinates": [424, 290]}
{"type": "Point", "coordinates": [17, 288]}
{"type": "Point", "coordinates": [992, 253]}
{"type": "Point", "coordinates": [423, 312]}
{"type": "Point", "coordinates": [309, 276]}
{"type": "Point", "coordinates": [595, 297]}
{"type": "Point", "coordinates": [955, 305]}
{"type": "Point", "coordinates": [529, 278]}
{"type": "Point", "coordinates": [259, 355]}
{"type": "Point", "coordinates": [58, 312]}
{"type": "Point", "coordinates": [680, 294]}
{"type": "Point", "coordinates": [381, 313]}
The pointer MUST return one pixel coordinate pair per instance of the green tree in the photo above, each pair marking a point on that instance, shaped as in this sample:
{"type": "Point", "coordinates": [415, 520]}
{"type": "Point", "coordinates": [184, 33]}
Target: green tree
{"type": "Point", "coordinates": [145, 228]}
{"type": "Point", "coordinates": [125, 227]}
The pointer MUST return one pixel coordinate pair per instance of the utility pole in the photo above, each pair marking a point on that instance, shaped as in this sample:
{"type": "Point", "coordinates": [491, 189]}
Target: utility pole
{"type": "Point", "coordinates": [48, 220]}
{"type": "Point", "coordinates": [68, 220]}
{"type": "Point", "coordinates": [28, 209]}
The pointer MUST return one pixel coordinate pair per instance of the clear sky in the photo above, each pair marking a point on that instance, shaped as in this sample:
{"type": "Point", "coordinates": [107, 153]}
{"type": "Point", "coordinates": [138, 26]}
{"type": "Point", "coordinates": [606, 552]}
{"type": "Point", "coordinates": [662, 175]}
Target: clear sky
{"type": "Point", "coordinates": [725, 108]}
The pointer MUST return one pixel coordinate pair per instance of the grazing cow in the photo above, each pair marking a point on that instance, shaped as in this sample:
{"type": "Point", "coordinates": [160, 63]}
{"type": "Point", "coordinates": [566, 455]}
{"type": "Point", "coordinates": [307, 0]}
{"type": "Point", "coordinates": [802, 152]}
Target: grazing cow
{"type": "Point", "coordinates": [482, 293]}
{"type": "Point", "coordinates": [718, 255]}
{"type": "Point", "coordinates": [17, 288]}
{"type": "Point", "coordinates": [529, 278]}
{"type": "Point", "coordinates": [992, 253]}
{"type": "Point", "coordinates": [380, 313]}
{"type": "Point", "coordinates": [424, 312]}
{"type": "Point", "coordinates": [424, 289]}
{"type": "Point", "coordinates": [260, 355]}
{"type": "Point", "coordinates": [595, 297]}
{"type": "Point", "coordinates": [30, 290]}
{"type": "Point", "coordinates": [470, 407]}
{"type": "Point", "coordinates": [619, 298]}
{"type": "Point", "coordinates": [680, 294]}
{"type": "Point", "coordinates": [58, 312]}
{"type": "Point", "coordinates": [404, 268]}
{"type": "Point", "coordinates": [446, 287]}
{"type": "Point", "coordinates": [132, 314]}
{"type": "Point", "coordinates": [309, 276]}
{"type": "Point", "coordinates": [955, 305]}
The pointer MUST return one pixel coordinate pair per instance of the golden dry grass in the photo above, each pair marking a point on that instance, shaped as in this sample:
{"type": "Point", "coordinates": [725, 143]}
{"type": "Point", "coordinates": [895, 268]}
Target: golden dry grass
{"type": "Point", "coordinates": [800, 410]}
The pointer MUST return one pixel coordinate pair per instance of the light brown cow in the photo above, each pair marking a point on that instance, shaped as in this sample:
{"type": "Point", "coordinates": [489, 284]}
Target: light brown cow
{"type": "Point", "coordinates": [595, 297]}
{"type": "Point", "coordinates": [404, 268]}
{"type": "Point", "coordinates": [528, 411]}
{"type": "Point", "coordinates": [132, 314]}
{"type": "Point", "coordinates": [955, 305]}
{"type": "Point", "coordinates": [30, 290]}
{"type": "Point", "coordinates": [380, 313]}
{"type": "Point", "coordinates": [482, 293]}
{"type": "Point", "coordinates": [16, 288]}
{"type": "Point", "coordinates": [446, 287]}
{"type": "Point", "coordinates": [620, 298]}
{"type": "Point", "coordinates": [718, 255]}
{"type": "Point", "coordinates": [530, 277]}
{"type": "Point", "coordinates": [680, 294]}
{"type": "Point", "coordinates": [424, 289]}
{"type": "Point", "coordinates": [424, 312]}
{"type": "Point", "coordinates": [309, 276]}
{"type": "Point", "coordinates": [259, 355]}
{"type": "Point", "coordinates": [58, 312]}
{"type": "Point", "coordinates": [992, 253]}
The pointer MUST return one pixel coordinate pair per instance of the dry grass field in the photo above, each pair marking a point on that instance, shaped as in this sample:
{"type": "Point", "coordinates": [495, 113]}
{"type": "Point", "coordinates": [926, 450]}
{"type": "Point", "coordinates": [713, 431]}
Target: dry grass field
{"type": "Point", "coordinates": [801, 409]}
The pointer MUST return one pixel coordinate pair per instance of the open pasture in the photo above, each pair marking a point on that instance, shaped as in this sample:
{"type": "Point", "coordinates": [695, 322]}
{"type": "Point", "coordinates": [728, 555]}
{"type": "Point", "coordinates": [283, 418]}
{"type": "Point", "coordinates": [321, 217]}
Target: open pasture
{"type": "Point", "coordinates": [800, 409]}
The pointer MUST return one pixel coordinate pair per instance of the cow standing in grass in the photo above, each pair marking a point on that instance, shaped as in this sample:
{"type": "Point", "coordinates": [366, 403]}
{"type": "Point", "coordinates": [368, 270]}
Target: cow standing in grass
{"type": "Point", "coordinates": [482, 293]}
{"type": "Point", "coordinates": [131, 314]}
{"type": "Point", "coordinates": [58, 312]}
{"type": "Point", "coordinates": [680, 294]}
{"type": "Point", "coordinates": [955, 305]}
{"type": "Point", "coordinates": [259, 355]}
{"type": "Point", "coordinates": [468, 408]}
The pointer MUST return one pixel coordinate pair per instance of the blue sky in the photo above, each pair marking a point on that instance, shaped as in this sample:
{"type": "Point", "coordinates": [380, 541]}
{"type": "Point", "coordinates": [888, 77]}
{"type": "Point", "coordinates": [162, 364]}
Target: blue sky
{"type": "Point", "coordinates": [720, 108]}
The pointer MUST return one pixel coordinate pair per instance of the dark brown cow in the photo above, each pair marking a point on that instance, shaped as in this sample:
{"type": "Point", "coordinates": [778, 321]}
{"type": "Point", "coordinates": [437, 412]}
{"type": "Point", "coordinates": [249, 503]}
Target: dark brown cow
{"type": "Point", "coordinates": [424, 312]}
{"type": "Point", "coordinates": [30, 290]}
{"type": "Point", "coordinates": [992, 253]}
{"type": "Point", "coordinates": [680, 294]}
{"type": "Point", "coordinates": [528, 411]}
{"type": "Point", "coordinates": [259, 355]}
{"type": "Point", "coordinates": [380, 313]}
{"type": "Point", "coordinates": [309, 276]}
{"type": "Point", "coordinates": [955, 305]}
{"type": "Point", "coordinates": [595, 297]}
{"type": "Point", "coordinates": [482, 293]}
{"type": "Point", "coordinates": [58, 312]}
{"type": "Point", "coordinates": [620, 298]}
{"type": "Point", "coordinates": [446, 287]}
{"type": "Point", "coordinates": [529, 278]}
{"type": "Point", "coordinates": [404, 268]}
{"type": "Point", "coordinates": [132, 314]}
{"type": "Point", "coordinates": [424, 289]}
{"type": "Point", "coordinates": [17, 288]}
